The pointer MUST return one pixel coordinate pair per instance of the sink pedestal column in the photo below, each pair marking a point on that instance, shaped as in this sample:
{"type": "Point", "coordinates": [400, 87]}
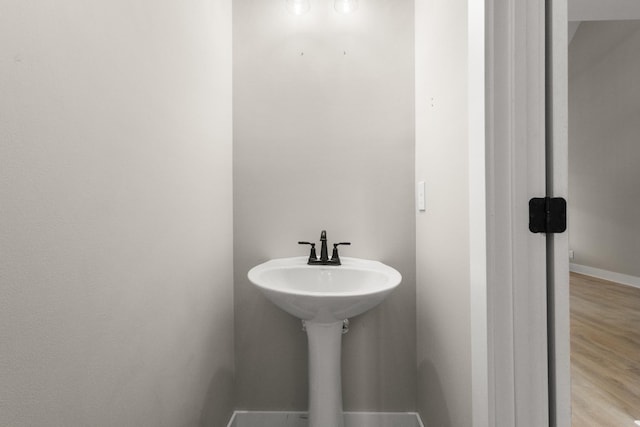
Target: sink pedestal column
{"type": "Point", "coordinates": [325, 385]}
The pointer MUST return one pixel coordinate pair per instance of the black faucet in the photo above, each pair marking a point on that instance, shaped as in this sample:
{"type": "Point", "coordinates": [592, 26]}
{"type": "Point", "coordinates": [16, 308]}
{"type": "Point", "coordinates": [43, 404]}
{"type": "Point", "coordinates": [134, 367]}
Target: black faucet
{"type": "Point", "coordinates": [324, 255]}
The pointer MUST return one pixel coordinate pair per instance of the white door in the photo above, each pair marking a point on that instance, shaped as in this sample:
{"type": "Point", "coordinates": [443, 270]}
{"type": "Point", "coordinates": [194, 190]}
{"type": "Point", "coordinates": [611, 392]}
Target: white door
{"type": "Point", "coordinates": [527, 272]}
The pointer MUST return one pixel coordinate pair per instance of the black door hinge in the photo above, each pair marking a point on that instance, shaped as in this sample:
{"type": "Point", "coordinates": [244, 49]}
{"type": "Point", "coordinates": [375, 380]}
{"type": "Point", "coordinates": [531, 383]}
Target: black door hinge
{"type": "Point", "coordinates": [547, 215]}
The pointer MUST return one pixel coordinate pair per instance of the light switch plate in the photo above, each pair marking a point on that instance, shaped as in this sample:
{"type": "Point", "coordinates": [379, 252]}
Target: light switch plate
{"type": "Point", "coordinates": [421, 197]}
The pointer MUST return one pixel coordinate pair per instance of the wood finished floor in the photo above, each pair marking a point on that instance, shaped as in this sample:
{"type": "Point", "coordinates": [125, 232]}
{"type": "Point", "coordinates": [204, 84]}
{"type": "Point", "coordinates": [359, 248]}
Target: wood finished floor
{"type": "Point", "coordinates": [605, 353]}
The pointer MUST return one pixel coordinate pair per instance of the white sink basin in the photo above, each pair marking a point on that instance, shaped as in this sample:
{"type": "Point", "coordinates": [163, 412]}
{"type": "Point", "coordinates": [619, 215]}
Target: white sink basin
{"type": "Point", "coordinates": [325, 294]}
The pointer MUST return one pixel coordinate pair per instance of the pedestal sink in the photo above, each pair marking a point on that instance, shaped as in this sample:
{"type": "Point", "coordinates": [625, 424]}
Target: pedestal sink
{"type": "Point", "coordinates": [323, 297]}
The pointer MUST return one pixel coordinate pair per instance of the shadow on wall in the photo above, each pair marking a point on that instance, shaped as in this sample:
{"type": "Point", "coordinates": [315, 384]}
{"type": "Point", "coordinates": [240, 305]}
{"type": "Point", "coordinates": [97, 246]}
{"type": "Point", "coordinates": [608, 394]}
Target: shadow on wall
{"type": "Point", "coordinates": [433, 408]}
{"type": "Point", "coordinates": [218, 404]}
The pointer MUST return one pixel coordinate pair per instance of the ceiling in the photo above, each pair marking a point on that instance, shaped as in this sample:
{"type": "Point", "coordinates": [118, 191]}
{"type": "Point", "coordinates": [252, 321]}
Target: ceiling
{"type": "Point", "coordinates": [603, 10]}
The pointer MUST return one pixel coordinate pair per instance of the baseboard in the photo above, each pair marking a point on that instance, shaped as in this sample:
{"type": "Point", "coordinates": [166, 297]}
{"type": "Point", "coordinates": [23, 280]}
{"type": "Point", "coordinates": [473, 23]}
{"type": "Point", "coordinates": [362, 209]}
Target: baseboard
{"type": "Point", "coordinates": [300, 419]}
{"type": "Point", "coordinates": [611, 276]}
{"type": "Point", "coordinates": [232, 420]}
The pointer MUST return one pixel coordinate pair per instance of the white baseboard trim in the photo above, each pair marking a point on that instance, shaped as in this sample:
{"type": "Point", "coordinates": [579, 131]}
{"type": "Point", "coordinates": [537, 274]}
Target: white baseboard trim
{"type": "Point", "coordinates": [611, 276]}
{"type": "Point", "coordinates": [299, 419]}
{"type": "Point", "coordinates": [232, 420]}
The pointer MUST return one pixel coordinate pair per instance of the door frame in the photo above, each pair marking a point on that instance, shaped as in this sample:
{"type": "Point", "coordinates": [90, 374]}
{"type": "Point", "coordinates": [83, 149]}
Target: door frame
{"type": "Point", "coordinates": [557, 147]}
{"type": "Point", "coordinates": [528, 368]}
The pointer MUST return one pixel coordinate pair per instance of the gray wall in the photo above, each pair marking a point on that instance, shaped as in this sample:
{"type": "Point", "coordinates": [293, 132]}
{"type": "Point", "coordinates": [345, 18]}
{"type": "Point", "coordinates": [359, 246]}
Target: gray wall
{"type": "Point", "coordinates": [116, 218]}
{"type": "Point", "coordinates": [442, 231]}
{"type": "Point", "coordinates": [324, 139]}
{"type": "Point", "coordinates": [604, 146]}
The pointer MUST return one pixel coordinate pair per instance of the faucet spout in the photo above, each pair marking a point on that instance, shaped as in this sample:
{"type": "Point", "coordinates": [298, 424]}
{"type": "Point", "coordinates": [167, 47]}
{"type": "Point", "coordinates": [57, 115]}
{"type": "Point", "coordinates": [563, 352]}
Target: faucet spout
{"type": "Point", "coordinates": [324, 255]}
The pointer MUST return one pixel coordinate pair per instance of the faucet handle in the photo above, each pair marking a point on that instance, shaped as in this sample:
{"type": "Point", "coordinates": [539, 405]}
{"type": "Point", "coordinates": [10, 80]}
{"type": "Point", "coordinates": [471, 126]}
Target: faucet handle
{"type": "Point", "coordinates": [312, 254]}
{"type": "Point", "coordinates": [334, 256]}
